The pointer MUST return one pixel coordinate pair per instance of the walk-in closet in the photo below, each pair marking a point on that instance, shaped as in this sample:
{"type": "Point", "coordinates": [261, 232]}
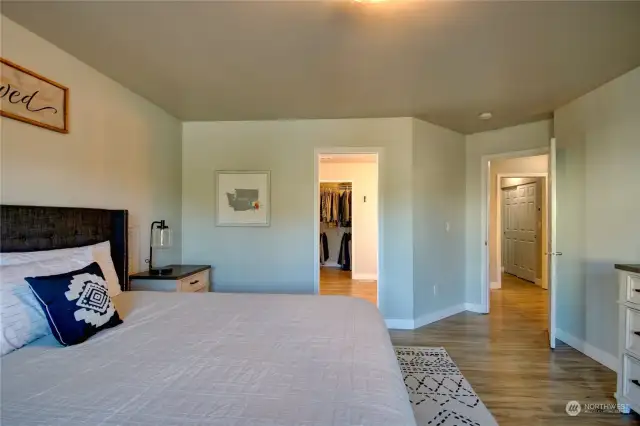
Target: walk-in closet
{"type": "Point", "coordinates": [336, 216]}
{"type": "Point", "coordinates": [348, 226]}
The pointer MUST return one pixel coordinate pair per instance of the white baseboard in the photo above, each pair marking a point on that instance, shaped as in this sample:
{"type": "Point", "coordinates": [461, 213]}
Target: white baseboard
{"type": "Point", "coordinates": [364, 277]}
{"type": "Point", "coordinates": [408, 324]}
{"type": "Point", "coordinates": [474, 307]}
{"type": "Point", "coordinates": [604, 358]}
{"type": "Point", "coordinates": [400, 324]}
{"type": "Point", "coordinates": [495, 285]}
{"type": "Point", "coordinates": [438, 315]}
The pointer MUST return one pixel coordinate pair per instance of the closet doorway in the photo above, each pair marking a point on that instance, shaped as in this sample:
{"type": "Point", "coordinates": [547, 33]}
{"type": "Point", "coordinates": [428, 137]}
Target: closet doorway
{"type": "Point", "coordinates": [347, 223]}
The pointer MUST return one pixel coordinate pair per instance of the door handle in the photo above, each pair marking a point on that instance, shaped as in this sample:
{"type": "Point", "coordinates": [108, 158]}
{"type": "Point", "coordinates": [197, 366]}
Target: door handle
{"type": "Point", "coordinates": [635, 382]}
{"type": "Point", "coordinates": [558, 253]}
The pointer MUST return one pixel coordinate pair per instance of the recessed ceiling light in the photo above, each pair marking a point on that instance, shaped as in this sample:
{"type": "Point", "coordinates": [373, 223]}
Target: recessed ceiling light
{"type": "Point", "coordinates": [485, 116]}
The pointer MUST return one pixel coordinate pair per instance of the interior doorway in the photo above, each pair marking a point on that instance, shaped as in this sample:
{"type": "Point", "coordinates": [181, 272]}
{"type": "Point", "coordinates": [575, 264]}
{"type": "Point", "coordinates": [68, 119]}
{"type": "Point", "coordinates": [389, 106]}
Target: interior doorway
{"type": "Point", "coordinates": [516, 218]}
{"type": "Point", "coordinates": [347, 223]}
{"type": "Point", "coordinates": [521, 227]}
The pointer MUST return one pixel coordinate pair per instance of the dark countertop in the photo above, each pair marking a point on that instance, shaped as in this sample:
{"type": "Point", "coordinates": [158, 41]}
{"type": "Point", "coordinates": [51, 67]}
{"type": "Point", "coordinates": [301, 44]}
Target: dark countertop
{"type": "Point", "coordinates": [628, 268]}
{"type": "Point", "coordinates": [178, 273]}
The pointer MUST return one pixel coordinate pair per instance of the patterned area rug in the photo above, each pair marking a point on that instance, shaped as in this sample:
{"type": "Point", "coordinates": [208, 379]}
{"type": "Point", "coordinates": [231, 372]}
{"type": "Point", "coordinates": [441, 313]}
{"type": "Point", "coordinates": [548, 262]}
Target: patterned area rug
{"type": "Point", "coordinates": [439, 393]}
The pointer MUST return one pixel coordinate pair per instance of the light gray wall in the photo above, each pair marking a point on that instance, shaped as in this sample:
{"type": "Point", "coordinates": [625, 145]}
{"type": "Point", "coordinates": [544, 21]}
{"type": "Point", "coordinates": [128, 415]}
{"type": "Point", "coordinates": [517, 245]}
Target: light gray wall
{"type": "Point", "coordinates": [280, 258]}
{"type": "Point", "coordinates": [121, 152]}
{"type": "Point", "coordinates": [517, 138]}
{"type": "Point", "coordinates": [598, 203]}
{"type": "Point", "coordinates": [439, 197]}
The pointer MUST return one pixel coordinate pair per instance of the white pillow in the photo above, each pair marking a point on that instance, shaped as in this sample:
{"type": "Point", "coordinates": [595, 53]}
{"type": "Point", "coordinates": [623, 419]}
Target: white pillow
{"type": "Point", "coordinates": [21, 318]}
{"type": "Point", "coordinates": [100, 253]}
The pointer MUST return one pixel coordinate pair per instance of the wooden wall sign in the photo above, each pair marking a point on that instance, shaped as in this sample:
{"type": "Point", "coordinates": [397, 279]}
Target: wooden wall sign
{"type": "Point", "coordinates": [32, 98]}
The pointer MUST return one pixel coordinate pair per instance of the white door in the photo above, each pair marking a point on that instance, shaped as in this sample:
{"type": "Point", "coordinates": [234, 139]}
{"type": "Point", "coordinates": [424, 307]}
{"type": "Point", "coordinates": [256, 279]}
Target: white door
{"type": "Point", "coordinates": [510, 229]}
{"type": "Point", "coordinates": [552, 253]}
{"type": "Point", "coordinates": [520, 231]}
{"type": "Point", "coordinates": [503, 244]}
{"type": "Point", "coordinates": [527, 231]}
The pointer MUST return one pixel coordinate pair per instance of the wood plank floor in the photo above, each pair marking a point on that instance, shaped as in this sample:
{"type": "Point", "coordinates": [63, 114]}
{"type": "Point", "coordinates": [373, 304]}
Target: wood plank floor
{"type": "Point", "coordinates": [505, 357]}
{"type": "Point", "coordinates": [334, 281]}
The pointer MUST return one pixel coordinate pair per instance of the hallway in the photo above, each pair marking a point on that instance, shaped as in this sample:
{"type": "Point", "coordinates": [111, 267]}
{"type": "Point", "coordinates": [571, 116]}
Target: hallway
{"type": "Point", "coordinates": [521, 301]}
{"type": "Point", "coordinates": [506, 357]}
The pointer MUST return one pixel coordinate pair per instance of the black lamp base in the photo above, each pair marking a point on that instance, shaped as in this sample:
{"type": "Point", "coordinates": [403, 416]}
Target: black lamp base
{"type": "Point", "coordinates": [160, 271]}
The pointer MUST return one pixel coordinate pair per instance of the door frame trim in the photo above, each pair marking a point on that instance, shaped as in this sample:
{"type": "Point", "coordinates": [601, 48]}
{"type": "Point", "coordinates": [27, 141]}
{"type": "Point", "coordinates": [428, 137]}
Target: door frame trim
{"type": "Point", "coordinates": [499, 213]}
{"type": "Point", "coordinates": [485, 185]}
{"type": "Point", "coordinates": [317, 152]}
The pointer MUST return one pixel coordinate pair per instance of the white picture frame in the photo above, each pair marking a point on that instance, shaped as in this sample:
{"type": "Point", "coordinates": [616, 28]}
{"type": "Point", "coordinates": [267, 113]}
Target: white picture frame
{"type": "Point", "coordinates": [243, 198]}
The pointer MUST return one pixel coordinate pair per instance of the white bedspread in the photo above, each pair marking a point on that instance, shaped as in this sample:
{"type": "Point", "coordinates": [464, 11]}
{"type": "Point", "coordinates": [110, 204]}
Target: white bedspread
{"type": "Point", "coordinates": [215, 359]}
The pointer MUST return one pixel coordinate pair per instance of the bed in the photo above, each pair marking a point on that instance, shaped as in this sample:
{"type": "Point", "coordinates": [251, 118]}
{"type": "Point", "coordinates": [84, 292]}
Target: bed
{"type": "Point", "coordinates": [206, 359]}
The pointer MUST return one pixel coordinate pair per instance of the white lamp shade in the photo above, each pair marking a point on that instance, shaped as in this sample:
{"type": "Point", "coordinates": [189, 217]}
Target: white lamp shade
{"type": "Point", "coordinates": [161, 237]}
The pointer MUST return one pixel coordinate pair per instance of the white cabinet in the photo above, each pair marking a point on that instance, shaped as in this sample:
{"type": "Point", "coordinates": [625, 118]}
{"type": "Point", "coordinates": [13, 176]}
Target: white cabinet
{"type": "Point", "coordinates": [628, 391]}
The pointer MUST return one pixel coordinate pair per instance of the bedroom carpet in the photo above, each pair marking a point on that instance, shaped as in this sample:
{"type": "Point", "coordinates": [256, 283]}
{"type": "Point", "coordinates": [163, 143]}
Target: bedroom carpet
{"type": "Point", "coordinates": [439, 393]}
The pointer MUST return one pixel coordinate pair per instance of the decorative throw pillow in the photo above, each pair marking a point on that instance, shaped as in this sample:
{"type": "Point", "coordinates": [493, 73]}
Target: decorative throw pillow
{"type": "Point", "coordinates": [77, 304]}
{"type": "Point", "coordinates": [21, 318]}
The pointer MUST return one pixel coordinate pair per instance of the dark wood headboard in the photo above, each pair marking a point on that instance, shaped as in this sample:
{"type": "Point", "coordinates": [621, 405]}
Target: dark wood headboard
{"type": "Point", "coordinates": [37, 228]}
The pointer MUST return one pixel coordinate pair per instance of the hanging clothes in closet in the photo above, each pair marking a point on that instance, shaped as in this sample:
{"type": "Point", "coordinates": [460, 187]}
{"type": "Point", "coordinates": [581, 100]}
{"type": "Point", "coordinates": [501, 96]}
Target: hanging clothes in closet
{"type": "Point", "coordinates": [335, 206]}
{"type": "Point", "coordinates": [344, 258]}
{"type": "Point", "coordinates": [344, 216]}
{"type": "Point", "coordinates": [336, 212]}
{"type": "Point", "coordinates": [324, 248]}
{"type": "Point", "coordinates": [329, 200]}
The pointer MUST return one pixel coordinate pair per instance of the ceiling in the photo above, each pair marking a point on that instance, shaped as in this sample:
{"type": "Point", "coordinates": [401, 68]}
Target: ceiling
{"type": "Point", "coordinates": [442, 61]}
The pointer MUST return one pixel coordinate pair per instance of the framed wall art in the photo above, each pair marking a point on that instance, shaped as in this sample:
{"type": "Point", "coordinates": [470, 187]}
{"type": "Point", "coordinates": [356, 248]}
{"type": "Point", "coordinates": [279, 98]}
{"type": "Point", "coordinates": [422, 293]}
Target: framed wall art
{"type": "Point", "coordinates": [32, 98]}
{"type": "Point", "coordinates": [242, 198]}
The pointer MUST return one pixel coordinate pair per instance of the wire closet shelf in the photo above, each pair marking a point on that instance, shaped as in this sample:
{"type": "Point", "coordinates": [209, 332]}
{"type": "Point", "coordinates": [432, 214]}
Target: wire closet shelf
{"type": "Point", "coordinates": [336, 185]}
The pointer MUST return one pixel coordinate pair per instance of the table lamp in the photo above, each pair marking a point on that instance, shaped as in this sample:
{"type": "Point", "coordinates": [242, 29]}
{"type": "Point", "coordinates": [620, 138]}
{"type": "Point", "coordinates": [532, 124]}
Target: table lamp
{"type": "Point", "coordinates": [160, 238]}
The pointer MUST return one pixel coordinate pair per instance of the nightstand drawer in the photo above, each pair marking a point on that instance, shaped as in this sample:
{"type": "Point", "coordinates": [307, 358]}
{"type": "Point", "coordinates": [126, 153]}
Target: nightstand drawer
{"type": "Point", "coordinates": [195, 283]}
{"type": "Point", "coordinates": [179, 278]}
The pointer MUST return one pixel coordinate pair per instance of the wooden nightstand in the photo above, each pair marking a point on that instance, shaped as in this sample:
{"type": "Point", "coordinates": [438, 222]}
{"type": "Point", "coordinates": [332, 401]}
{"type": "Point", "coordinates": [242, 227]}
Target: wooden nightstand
{"type": "Point", "coordinates": [183, 278]}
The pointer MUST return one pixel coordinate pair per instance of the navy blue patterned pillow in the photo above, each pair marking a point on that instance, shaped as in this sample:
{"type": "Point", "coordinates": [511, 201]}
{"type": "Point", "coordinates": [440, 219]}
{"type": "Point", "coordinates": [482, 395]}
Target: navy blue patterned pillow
{"type": "Point", "coordinates": [76, 304]}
